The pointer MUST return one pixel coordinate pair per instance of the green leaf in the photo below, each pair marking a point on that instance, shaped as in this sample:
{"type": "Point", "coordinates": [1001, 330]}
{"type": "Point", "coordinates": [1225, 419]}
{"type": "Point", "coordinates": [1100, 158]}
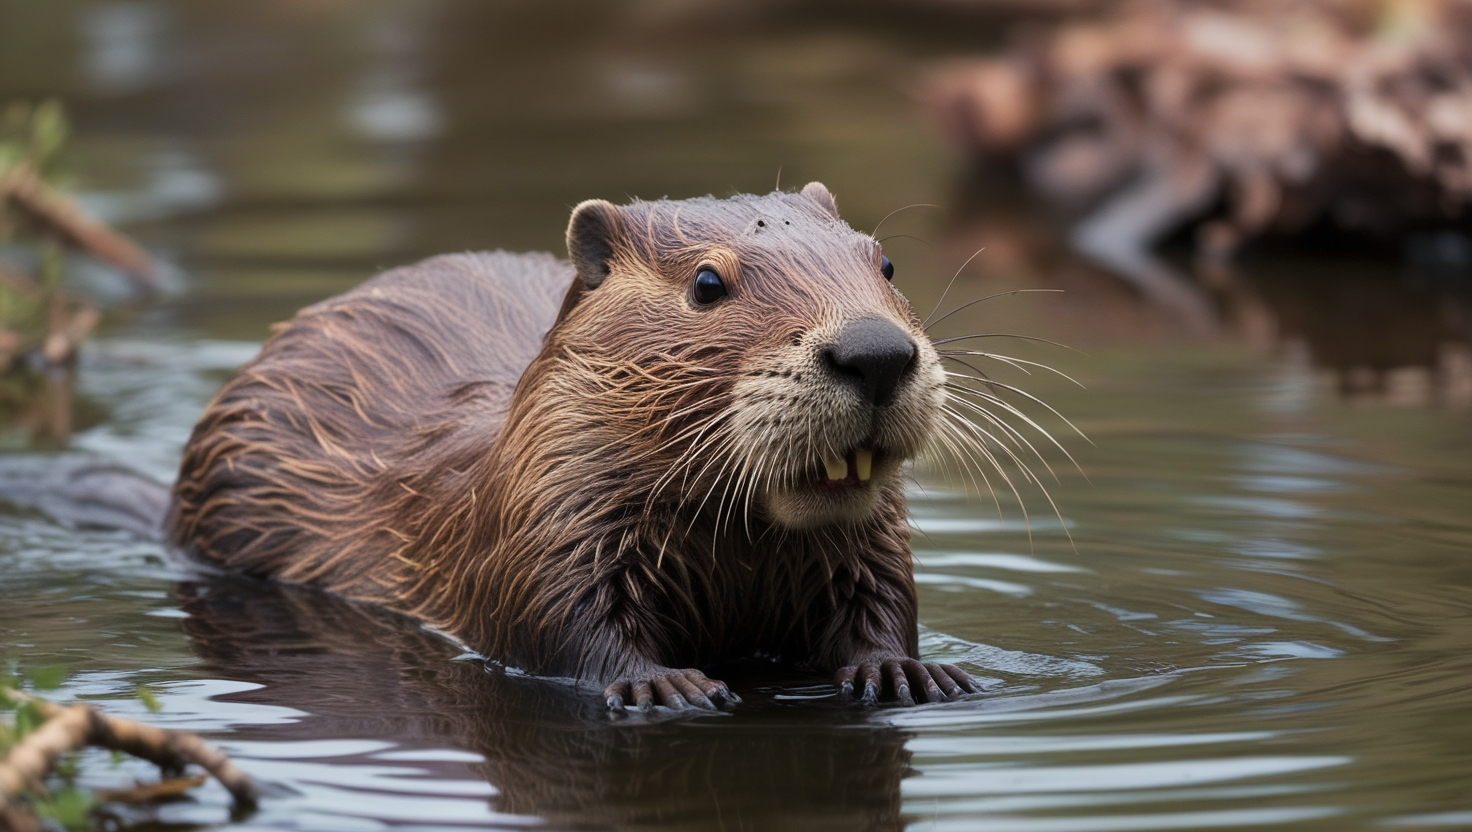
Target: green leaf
{"type": "Point", "coordinates": [68, 806]}
{"type": "Point", "coordinates": [47, 678]}
{"type": "Point", "coordinates": [53, 265]}
{"type": "Point", "coordinates": [67, 768]}
{"type": "Point", "coordinates": [48, 131]}
{"type": "Point", "coordinates": [28, 718]}
{"type": "Point", "coordinates": [148, 699]}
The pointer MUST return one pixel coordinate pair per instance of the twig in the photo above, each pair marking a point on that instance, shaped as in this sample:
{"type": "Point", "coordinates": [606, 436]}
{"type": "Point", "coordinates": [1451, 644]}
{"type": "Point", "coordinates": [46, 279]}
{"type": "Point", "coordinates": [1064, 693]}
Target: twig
{"type": "Point", "coordinates": [22, 184]}
{"type": "Point", "coordinates": [10, 347]}
{"type": "Point", "coordinates": [60, 345]}
{"type": "Point", "coordinates": [68, 730]}
{"type": "Point", "coordinates": [18, 819]}
{"type": "Point", "coordinates": [74, 727]}
{"type": "Point", "coordinates": [151, 792]}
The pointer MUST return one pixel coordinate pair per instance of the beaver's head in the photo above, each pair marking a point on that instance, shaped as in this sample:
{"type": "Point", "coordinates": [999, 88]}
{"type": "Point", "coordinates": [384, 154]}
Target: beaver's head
{"type": "Point", "coordinates": [754, 350]}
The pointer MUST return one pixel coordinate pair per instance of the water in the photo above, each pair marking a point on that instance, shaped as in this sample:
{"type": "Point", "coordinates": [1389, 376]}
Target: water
{"type": "Point", "coordinates": [1254, 611]}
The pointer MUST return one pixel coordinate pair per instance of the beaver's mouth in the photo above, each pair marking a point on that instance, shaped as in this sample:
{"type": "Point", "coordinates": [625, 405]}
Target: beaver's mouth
{"type": "Point", "coordinates": [837, 487]}
{"type": "Point", "coordinates": [852, 470]}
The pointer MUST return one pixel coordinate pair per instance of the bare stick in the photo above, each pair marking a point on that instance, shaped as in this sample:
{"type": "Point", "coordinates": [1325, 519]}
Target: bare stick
{"type": "Point", "coordinates": [77, 726]}
{"type": "Point", "coordinates": [151, 792]}
{"type": "Point", "coordinates": [62, 343]}
{"type": "Point", "coordinates": [18, 819]}
{"type": "Point", "coordinates": [22, 184]}
{"type": "Point", "coordinates": [30, 759]}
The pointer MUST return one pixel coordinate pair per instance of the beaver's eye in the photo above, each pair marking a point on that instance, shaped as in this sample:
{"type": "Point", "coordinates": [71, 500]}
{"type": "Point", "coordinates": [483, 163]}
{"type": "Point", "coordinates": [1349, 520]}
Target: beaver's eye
{"type": "Point", "coordinates": [709, 287]}
{"type": "Point", "coordinates": [886, 267]}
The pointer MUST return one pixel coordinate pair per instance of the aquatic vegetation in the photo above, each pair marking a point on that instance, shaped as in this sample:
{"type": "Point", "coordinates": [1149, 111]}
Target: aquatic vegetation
{"type": "Point", "coordinates": [39, 225]}
{"type": "Point", "coordinates": [42, 319]}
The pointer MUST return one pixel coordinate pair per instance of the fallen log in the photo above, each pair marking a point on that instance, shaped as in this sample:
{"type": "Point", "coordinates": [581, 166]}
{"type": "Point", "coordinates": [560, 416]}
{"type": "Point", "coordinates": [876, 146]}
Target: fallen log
{"type": "Point", "coordinates": [1237, 118]}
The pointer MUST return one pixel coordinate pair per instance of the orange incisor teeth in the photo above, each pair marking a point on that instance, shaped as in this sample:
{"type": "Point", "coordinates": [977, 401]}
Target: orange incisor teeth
{"type": "Point", "coordinates": [837, 467]}
{"type": "Point", "coordinates": [863, 464]}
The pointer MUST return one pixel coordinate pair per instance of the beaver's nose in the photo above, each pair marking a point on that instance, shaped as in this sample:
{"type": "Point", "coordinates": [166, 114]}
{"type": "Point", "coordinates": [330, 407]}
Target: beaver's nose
{"type": "Point", "coordinates": [872, 354]}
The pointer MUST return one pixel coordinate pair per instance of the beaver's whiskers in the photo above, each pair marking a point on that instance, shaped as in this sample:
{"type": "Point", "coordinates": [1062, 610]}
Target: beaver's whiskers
{"type": "Point", "coordinates": [975, 431]}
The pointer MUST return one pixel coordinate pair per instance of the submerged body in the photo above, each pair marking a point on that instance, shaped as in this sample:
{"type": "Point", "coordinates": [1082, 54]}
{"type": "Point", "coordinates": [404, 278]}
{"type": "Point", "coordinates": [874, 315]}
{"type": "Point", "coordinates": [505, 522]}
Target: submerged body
{"type": "Point", "coordinates": [679, 449]}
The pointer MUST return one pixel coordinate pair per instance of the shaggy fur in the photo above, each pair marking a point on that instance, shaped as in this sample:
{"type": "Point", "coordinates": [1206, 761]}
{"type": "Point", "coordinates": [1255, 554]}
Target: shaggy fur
{"type": "Point", "coordinates": [596, 478]}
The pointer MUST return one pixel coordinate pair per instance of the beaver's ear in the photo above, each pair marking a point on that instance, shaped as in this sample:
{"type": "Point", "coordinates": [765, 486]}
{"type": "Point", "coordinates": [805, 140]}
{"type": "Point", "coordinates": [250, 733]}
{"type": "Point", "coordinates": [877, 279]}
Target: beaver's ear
{"type": "Point", "coordinates": [595, 228]}
{"type": "Point", "coordinates": [819, 193]}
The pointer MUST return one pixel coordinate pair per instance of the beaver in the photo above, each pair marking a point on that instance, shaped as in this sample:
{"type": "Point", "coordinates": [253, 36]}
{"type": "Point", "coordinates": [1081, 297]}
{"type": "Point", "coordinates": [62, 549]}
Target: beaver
{"type": "Point", "coordinates": [681, 447]}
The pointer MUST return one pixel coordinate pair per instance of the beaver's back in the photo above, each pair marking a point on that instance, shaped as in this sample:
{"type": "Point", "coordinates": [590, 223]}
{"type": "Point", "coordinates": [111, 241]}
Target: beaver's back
{"type": "Point", "coordinates": [359, 405]}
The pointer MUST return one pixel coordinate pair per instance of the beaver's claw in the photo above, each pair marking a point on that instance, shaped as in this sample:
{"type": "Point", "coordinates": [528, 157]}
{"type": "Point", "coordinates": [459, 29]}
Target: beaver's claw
{"type": "Point", "coordinates": [675, 689]}
{"type": "Point", "coordinates": [904, 680]}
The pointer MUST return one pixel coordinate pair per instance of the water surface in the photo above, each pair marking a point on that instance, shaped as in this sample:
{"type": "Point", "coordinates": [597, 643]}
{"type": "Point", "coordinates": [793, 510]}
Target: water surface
{"type": "Point", "coordinates": [1253, 612]}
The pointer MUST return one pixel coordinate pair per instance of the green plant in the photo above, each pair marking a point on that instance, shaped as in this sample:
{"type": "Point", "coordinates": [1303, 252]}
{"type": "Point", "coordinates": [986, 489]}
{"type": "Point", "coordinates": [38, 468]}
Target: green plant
{"type": "Point", "coordinates": [39, 763]}
{"type": "Point", "coordinates": [58, 799]}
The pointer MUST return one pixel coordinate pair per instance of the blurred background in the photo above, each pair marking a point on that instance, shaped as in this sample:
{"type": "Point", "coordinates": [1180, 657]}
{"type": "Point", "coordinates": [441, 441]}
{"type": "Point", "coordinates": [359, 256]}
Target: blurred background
{"type": "Point", "coordinates": [274, 154]}
{"type": "Point", "coordinates": [1257, 210]}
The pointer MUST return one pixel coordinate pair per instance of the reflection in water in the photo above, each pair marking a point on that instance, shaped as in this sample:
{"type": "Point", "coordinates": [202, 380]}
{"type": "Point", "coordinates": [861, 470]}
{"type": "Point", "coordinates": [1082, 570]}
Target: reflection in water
{"type": "Point", "coordinates": [391, 104]}
{"type": "Point", "coordinates": [41, 409]}
{"type": "Point", "coordinates": [1383, 336]}
{"type": "Point", "coordinates": [547, 751]}
{"type": "Point", "coordinates": [123, 52]}
{"type": "Point", "coordinates": [1375, 329]}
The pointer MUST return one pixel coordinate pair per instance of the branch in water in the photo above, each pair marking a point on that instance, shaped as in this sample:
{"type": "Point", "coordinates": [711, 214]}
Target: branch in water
{"type": "Point", "coordinates": [21, 184]}
{"type": "Point", "coordinates": [74, 727]}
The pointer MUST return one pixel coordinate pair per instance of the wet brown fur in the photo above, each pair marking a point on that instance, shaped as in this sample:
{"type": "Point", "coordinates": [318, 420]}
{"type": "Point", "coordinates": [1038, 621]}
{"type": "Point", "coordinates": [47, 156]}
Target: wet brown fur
{"type": "Point", "coordinates": [560, 503]}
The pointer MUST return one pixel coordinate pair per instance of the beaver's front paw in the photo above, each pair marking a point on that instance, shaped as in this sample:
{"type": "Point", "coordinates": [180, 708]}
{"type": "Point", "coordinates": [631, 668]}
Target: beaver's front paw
{"type": "Point", "coordinates": [676, 689]}
{"type": "Point", "coordinates": [903, 680]}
